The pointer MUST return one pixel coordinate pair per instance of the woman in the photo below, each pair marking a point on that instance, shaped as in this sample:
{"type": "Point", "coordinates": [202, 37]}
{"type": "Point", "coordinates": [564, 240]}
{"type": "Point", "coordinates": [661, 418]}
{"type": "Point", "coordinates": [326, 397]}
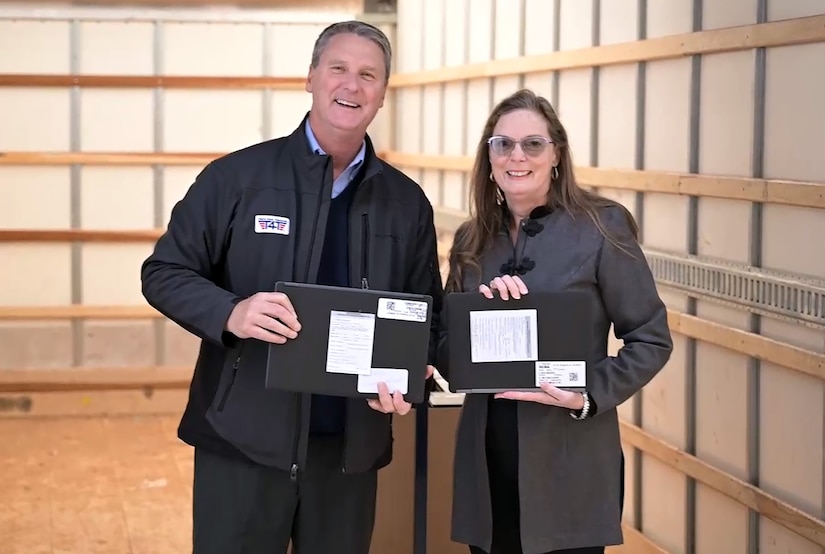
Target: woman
{"type": "Point", "coordinates": [542, 472]}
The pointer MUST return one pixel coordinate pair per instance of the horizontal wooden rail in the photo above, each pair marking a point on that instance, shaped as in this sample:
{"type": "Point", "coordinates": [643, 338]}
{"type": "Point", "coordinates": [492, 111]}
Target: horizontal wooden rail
{"type": "Point", "coordinates": [152, 81]}
{"type": "Point", "coordinates": [754, 498]}
{"type": "Point", "coordinates": [793, 193]}
{"type": "Point", "coordinates": [750, 344]}
{"type": "Point", "coordinates": [79, 235]}
{"type": "Point", "coordinates": [51, 313]}
{"type": "Point", "coordinates": [81, 379]}
{"type": "Point", "coordinates": [107, 158]}
{"type": "Point", "coordinates": [778, 33]}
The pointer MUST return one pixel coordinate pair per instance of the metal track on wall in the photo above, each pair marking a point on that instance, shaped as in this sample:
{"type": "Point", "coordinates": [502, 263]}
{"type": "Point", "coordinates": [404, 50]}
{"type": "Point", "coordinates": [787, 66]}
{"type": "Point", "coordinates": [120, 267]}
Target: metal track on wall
{"type": "Point", "coordinates": [791, 297]}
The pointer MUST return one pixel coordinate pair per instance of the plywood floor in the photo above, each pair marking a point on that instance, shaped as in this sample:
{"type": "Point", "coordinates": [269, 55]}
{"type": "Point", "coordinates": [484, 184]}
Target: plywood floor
{"type": "Point", "coordinates": [94, 486]}
{"type": "Point", "coordinates": [98, 485]}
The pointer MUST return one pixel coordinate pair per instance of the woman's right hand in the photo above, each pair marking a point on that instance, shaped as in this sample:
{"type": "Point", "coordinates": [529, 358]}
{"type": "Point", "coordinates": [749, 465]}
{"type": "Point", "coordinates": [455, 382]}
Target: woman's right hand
{"type": "Point", "coordinates": [506, 285]}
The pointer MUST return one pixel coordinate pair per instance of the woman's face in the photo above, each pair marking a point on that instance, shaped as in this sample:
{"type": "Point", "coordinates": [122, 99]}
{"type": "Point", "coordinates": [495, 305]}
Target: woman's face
{"type": "Point", "coordinates": [522, 157]}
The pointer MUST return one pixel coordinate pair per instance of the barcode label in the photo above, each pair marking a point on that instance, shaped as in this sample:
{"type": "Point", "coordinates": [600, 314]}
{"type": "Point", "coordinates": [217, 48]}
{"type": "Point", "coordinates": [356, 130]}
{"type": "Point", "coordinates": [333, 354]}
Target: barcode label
{"type": "Point", "coordinates": [561, 374]}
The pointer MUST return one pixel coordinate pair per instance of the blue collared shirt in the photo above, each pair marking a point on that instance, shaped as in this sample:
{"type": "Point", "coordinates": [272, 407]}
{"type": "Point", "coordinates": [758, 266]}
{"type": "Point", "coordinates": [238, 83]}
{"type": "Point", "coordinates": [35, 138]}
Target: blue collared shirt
{"type": "Point", "coordinates": [348, 174]}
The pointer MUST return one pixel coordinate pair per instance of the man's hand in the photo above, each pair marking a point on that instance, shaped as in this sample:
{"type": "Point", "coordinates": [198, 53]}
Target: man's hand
{"type": "Point", "coordinates": [266, 316]}
{"type": "Point", "coordinates": [395, 403]}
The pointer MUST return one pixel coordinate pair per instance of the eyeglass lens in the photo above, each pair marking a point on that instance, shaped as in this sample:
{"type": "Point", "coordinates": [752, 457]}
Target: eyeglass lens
{"type": "Point", "coordinates": [532, 146]}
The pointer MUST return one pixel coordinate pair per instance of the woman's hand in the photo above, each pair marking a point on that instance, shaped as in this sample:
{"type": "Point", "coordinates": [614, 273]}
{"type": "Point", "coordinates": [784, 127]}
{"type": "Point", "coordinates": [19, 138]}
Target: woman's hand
{"type": "Point", "coordinates": [550, 395]}
{"type": "Point", "coordinates": [506, 285]}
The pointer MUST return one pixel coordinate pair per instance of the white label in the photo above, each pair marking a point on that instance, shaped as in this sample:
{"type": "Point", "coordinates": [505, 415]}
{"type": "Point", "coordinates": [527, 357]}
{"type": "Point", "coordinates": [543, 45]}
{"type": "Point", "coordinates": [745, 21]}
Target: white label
{"type": "Point", "coordinates": [405, 310]}
{"type": "Point", "coordinates": [395, 379]}
{"type": "Point", "coordinates": [561, 374]}
{"type": "Point", "coordinates": [272, 224]}
{"type": "Point", "coordinates": [349, 348]}
{"type": "Point", "coordinates": [504, 336]}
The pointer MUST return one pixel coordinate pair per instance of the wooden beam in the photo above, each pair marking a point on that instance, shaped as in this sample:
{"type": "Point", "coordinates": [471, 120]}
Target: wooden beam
{"type": "Point", "coordinates": [153, 81]}
{"type": "Point", "coordinates": [750, 344]}
{"type": "Point", "coordinates": [754, 498]}
{"type": "Point", "coordinates": [107, 158]}
{"type": "Point", "coordinates": [88, 379]}
{"type": "Point", "coordinates": [78, 235]}
{"type": "Point", "coordinates": [772, 191]}
{"type": "Point", "coordinates": [46, 313]}
{"type": "Point", "coordinates": [788, 32]}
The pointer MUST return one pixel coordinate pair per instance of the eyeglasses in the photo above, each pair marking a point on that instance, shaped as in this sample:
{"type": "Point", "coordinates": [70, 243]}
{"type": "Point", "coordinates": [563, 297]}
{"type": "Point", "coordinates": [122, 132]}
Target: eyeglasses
{"type": "Point", "coordinates": [532, 146]}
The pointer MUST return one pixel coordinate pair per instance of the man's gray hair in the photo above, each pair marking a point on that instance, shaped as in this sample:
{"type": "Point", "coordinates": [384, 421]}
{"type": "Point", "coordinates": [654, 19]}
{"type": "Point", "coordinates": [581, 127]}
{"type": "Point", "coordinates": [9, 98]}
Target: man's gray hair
{"type": "Point", "coordinates": [358, 28]}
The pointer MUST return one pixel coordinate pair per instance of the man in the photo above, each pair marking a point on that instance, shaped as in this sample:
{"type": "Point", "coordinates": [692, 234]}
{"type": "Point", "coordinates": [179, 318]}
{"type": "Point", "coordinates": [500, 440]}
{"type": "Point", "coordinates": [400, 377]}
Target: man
{"type": "Point", "coordinates": [272, 466]}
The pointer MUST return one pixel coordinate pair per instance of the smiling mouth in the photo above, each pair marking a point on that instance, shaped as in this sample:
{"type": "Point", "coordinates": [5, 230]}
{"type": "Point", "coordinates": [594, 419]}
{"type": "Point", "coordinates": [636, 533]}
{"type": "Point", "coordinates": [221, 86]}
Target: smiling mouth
{"type": "Point", "coordinates": [523, 173]}
{"type": "Point", "coordinates": [347, 104]}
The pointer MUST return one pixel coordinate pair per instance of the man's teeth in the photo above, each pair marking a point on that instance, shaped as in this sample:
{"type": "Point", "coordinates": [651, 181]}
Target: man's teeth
{"type": "Point", "coordinates": [347, 104]}
{"type": "Point", "coordinates": [517, 173]}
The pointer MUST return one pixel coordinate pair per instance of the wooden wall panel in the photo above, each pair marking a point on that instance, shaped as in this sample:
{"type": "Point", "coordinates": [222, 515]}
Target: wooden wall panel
{"type": "Point", "coordinates": [508, 30]}
{"type": "Point", "coordinates": [616, 133]}
{"type": "Point", "coordinates": [133, 112]}
{"type": "Point", "coordinates": [719, 15]}
{"type": "Point", "coordinates": [29, 284]}
{"type": "Point", "coordinates": [97, 57]}
{"type": "Point", "coordinates": [130, 207]}
{"type": "Point", "coordinates": [34, 47]}
{"type": "Point", "coordinates": [25, 110]}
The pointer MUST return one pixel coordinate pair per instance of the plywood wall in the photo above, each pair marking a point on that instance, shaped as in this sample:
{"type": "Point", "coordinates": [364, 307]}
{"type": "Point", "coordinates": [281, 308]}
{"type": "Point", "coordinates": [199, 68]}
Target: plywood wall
{"type": "Point", "coordinates": [38, 120]}
{"type": "Point", "coordinates": [752, 113]}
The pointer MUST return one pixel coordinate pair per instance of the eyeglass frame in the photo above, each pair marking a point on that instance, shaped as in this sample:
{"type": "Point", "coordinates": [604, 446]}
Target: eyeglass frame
{"type": "Point", "coordinates": [547, 142]}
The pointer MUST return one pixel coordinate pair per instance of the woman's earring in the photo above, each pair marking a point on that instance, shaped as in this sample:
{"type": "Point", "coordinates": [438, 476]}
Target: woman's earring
{"type": "Point", "coordinates": [555, 173]}
{"type": "Point", "coordinates": [493, 179]}
{"type": "Point", "coordinates": [499, 196]}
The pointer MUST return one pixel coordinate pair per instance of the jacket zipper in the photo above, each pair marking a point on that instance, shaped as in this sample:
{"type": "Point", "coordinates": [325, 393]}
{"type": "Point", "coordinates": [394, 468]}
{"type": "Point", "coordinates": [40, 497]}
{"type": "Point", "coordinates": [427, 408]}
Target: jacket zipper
{"type": "Point", "coordinates": [365, 284]}
{"type": "Point", "coordinates": [365, 250]}
{"type": "Point", "coordinates": [293, 470]}
{"type": "Point", "coordinates": [232, 380]}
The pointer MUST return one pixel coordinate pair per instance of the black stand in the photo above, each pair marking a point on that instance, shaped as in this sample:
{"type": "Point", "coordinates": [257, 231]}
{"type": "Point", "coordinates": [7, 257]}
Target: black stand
{"type": "Point", "coordinates": [420, 491]}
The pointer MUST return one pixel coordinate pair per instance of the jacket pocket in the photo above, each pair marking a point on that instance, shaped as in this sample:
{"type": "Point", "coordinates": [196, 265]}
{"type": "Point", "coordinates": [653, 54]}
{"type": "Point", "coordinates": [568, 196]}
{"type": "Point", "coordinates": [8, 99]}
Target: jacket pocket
{"type": "Point", "coordinates": [232, 376]}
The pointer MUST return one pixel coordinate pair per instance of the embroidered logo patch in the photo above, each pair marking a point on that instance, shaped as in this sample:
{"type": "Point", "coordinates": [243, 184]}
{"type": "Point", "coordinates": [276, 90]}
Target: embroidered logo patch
{"type": "Point", "coordinates": [272, 224]}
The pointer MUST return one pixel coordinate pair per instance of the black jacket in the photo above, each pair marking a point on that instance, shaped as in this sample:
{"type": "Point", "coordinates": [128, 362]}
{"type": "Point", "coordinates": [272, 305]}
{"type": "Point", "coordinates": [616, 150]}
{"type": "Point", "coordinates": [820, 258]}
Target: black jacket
{"type": "Point", "coordinates": [210, 257]}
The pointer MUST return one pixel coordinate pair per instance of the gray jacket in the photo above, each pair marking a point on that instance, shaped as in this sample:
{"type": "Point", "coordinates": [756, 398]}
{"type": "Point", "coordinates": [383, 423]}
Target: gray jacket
{"type": "Point", "coordinates": [569, 471]}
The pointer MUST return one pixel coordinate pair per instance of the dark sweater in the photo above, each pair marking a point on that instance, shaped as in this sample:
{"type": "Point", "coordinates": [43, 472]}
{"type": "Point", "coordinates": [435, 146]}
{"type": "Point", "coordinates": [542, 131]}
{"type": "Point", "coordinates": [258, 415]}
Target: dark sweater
{"type": "Point", "coordinates": [328, 413]}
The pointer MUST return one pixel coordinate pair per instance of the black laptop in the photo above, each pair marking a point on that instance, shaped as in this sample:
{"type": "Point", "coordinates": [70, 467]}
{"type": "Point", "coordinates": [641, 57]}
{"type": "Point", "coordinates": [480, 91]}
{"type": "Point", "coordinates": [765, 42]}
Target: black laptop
{"type": "Point", "coordinates": [350, 340]}
{"type": "Point", "coordinates": [500, 345]}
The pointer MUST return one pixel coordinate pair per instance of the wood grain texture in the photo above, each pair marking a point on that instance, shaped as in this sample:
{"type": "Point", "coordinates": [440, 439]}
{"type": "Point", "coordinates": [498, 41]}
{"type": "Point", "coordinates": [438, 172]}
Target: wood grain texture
{"type": "Point", "coordinates": [778, 33]}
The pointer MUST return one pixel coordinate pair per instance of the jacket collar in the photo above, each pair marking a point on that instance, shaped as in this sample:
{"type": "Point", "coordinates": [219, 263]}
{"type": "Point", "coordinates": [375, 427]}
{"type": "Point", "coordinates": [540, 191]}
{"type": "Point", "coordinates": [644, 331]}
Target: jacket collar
{"type": "Point", "coordinates": [308, 159]}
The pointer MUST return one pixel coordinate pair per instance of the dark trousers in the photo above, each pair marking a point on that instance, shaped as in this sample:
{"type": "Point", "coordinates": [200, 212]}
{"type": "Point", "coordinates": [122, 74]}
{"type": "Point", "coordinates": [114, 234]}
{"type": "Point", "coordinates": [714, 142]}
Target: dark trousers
{"type": "Point", "coordinates": [590, 550]}
{"type": "Point", "coordinates": [240, 507]}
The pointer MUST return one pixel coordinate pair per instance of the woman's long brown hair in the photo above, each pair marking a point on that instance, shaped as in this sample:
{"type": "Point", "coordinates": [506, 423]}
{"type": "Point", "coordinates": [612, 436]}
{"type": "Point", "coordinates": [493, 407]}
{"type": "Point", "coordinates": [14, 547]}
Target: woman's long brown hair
{"type": "Point", "coordinates": [486, 215]}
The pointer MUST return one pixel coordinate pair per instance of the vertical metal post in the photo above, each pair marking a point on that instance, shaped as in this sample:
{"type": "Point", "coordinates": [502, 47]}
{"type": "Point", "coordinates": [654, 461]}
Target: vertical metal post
{"type": "Point", "coordinates": [522, 36]}
{"type": "Point", "coordinates": [554, 87]}
{"type": "Point", "coordinates": [75, 194]}
{"type": "Point", "coordinates": [595, 40]}
{"type": "Point", "coordinates": [692, 248]}
{"type": "Point", "coordinates": [421, 411]}
{"type": "Point", "coordinates": [158, 171]}
{"type": "Point", "coordinates": [266, 71]}
{"type": "Point", "coordinates": [755, 259]}
{"type": "Point", "coordinates": [641, 84]}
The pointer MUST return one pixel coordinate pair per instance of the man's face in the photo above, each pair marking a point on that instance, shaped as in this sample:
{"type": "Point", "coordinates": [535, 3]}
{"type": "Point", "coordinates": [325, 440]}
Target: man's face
{"type": "Point", "coordinates": [348, 86]}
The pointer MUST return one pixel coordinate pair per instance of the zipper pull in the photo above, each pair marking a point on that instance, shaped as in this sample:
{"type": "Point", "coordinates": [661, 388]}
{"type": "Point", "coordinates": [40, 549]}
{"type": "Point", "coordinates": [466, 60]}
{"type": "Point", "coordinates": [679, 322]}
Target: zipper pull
{"type": "Point", "coordinates": [364, 283]}
{"type": "Point", "coordinates": [293, 472]}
